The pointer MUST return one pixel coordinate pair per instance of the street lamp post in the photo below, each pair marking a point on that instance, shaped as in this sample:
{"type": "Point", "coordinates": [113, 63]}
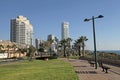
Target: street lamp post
{"type": "Point", "coordinates": [94, 37]}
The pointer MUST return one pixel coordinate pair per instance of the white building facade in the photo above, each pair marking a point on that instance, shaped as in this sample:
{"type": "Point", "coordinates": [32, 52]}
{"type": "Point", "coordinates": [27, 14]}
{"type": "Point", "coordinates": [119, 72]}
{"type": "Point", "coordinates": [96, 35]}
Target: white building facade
{"type": "Point", "coordinates": [54, 43]}
{"type": "Point", "coordinates": [65, 30]}
{"type": "Point", "coordinates": [21, 31]}
{"type": "Point", "coordinates": [37, 43]}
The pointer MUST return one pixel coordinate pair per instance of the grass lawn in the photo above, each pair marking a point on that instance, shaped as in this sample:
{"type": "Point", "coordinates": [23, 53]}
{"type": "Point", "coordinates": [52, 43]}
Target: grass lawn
{"type": "Point", "coordinates": [38, 70]}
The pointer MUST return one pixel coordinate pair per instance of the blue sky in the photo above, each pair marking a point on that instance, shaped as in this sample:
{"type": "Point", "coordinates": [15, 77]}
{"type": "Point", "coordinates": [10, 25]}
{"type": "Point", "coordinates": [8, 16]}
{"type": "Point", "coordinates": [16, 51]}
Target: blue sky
{"type": "Point", "coordinates": [46, 17]}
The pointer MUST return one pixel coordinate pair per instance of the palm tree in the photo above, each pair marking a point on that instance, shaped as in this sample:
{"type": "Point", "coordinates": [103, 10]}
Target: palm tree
{"type": "Point", "coordinates": [78, 44]}
{"type": "Point", "coordinates": [41, 50]}
{"type": "Point", "coordinates": [50, 42]}
{"type": "Point", "coordinates": [83, 39]}
{"type": "Point", "coordinates": [32, 49]}
{"type": "Point", "coordinates": [1, 46]}
{"type": "Point", "coordinates": [8, 47]}
{"type": "Point", "coordinates": [64, 44]}
{"type": "Point", "coordinates": [19, 50]}
{"type": "Point", "coordinates": [14, 48]}
{"type": "Point", "coordinates": [69, 40]}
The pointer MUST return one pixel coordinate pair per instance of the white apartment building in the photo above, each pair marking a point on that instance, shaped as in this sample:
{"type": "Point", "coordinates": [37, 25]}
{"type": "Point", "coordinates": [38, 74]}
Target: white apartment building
{"type": "Point", "coordinates": [37, 43]}
{"type": "Point", "coordinates": [54, 43]}
{"type": "Point", "coordinates": [21, 31]}
{"type": "Point", "coordinates": [65, 30]}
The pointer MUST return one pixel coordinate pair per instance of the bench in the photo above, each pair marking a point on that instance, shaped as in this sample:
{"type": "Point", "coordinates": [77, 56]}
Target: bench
{"type": "Point", "coordinates": [105, 68]}
{"type": "Point", "coordinates": [91, 63]}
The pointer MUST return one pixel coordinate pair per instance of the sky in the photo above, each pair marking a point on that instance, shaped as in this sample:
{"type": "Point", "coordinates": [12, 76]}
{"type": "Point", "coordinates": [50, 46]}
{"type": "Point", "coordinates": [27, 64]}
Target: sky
{"type": "Point", "coordinates": [46, 17]}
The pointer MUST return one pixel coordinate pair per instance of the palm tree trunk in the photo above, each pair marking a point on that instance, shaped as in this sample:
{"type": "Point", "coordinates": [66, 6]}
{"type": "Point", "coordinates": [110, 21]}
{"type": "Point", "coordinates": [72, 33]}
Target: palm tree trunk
{"type": "Point", "coordinates": [8, 53]}
{"type": "Point", "coordinates": [14, 53]}
{"type": "Point", "coordinates": [19, 54]}
{"type": "Point", "coordinates": [64, 51]}
{"type": "Point", "coordinates": [83, 51]}
{"type": "Point", "coordinates": [79, 51]}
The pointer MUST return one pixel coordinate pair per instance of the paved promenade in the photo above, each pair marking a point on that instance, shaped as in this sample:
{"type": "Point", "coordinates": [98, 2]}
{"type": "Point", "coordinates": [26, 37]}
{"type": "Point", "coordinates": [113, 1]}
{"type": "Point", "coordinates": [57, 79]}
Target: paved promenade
{"type": "Point", "coordinates": [87, 72]}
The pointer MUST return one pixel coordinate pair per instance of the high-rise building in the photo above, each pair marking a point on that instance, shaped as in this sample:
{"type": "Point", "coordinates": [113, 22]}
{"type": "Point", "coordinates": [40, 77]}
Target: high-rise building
{"type": "Point", "coordinates": [37, 43]}
{"type": "Point", "coordinates": [21, 31]}
{"type": "Point", "coordinates": [65, 30]}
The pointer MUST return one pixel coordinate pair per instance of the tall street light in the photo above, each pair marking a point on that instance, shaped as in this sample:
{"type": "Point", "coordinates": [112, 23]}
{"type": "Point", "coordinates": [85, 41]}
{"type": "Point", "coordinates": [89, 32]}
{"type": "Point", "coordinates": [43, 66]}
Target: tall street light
{"type": "Point", "coordinates": [93, 18]}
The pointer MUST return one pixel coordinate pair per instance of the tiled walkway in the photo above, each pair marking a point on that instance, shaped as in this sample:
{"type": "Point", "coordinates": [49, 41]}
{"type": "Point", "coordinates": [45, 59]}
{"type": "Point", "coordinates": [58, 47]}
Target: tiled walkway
{"type": "Point", "coordinates": [86, 72]}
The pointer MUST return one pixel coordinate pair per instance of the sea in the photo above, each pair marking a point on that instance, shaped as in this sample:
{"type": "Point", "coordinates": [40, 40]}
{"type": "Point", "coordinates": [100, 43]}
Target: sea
{"type": "Point", "coordinates": [111, 51]}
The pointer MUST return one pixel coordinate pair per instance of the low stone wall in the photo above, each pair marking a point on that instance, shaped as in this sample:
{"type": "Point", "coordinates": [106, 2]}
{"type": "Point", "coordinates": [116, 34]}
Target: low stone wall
{"type": "Point", "coordinates": [11, 55]}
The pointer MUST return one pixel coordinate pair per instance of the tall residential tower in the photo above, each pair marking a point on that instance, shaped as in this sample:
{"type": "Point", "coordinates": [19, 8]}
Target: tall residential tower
{"type": "Point", "coordinates": [65, 30]}
{"type": "Point", "coordinates": [21, 31]}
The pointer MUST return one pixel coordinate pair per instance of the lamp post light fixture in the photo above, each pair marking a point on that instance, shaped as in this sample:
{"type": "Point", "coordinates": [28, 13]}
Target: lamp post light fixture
{"type": "Point", "coordinates": [94, 37]}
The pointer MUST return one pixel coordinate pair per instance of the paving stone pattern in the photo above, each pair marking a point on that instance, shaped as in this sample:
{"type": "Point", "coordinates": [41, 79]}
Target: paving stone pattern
{"type": "Point", "coordinates": [87, 72]}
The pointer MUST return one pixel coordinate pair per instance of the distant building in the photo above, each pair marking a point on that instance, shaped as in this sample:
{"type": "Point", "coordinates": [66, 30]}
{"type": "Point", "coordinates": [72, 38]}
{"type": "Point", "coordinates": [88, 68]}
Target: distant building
{"type": "Point", "coordinates": [37, 43]}
{"type": "Point", "coordinates": [21, 31]}
{"type": "Point", "coordinates": [65, 30]}
{"type": "Point", "coordinates": [54, 43]}
{"type": "Point", "coordinates": [51, 37]}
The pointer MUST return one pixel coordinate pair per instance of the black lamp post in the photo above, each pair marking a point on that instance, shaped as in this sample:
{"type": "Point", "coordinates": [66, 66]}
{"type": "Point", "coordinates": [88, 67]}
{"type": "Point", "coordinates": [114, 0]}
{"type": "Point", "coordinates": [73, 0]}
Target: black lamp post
{"type": "Point", "coordinates": [93, 18]}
